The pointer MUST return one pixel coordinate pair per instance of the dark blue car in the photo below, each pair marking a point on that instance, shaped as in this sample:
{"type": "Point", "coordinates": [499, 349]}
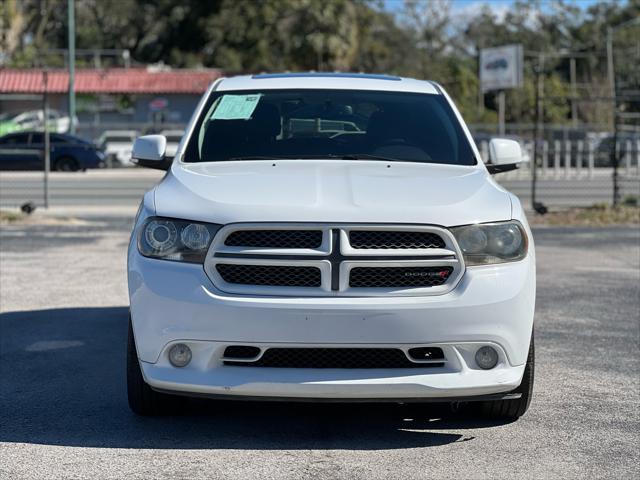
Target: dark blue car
{"type": "Point", "coordinates": [25, 151]}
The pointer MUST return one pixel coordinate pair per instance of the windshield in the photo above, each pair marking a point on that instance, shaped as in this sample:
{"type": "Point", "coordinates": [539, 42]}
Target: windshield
{"type": "Point", "coordinates": [350, 124]}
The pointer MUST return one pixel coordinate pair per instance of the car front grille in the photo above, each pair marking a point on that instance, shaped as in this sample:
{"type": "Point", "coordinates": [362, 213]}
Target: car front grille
{"type": "Point", "coordinates": [335, 358]}
{"type": "Point", "coordinates": [272, 275]}
{"type": "Point", "coordinates": [394, 240]}
{"type": "Point", "coordinates": [394, 277]}
{"type": "Point", "coordinates": [275, 238]}
{"type": "Point", "coordinates": [276, 259]}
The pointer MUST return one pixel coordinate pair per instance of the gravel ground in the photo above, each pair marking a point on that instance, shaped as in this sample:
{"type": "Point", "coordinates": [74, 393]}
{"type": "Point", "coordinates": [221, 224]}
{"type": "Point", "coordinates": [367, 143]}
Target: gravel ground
{"type": "Point", "coordinates": [63, 411]}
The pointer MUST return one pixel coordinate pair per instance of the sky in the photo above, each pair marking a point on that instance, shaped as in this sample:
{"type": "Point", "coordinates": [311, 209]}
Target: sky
{"type": "Point", "coordinates": [498, 6]}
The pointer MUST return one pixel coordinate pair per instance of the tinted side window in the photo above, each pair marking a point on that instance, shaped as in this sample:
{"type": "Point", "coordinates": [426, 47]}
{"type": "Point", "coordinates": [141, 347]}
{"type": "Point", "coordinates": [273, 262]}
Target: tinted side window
{"type": "Point", "coordinates": [16, 139]}
{"type": "Point", "coordinates": [58, 139]}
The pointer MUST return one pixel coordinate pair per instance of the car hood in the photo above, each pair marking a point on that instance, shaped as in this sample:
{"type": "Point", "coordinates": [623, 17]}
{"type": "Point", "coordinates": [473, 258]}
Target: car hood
{"type": "Point", "coordinates": [331, 191]}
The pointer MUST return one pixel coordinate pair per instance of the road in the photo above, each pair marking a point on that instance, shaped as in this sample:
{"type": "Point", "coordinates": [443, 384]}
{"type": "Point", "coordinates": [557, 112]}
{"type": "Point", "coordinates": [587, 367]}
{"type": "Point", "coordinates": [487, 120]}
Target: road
{"type": "Point", "coordinates": [63, 411]}
{"type": "Point", "coordinates": [126, 186]}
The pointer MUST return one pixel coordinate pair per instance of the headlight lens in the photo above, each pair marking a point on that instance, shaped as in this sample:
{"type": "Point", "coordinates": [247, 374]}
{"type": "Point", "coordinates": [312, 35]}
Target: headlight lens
{"type": "Point", "coordinates": [489, 243]}
{"type": "Point", "coordinates": [177, 240]}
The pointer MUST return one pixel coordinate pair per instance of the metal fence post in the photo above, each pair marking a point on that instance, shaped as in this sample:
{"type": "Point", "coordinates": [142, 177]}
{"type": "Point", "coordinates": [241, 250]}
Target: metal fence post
{"type": "Point", "coordinates": [567, 158]}
{"type": "Point", "coordinates": [615, 151]}
{"type": "Point", "coordinates": [484, 151]}
{"type": "Point", "coordinates": [579, 152]}
{"type": "Point", "coordinates": [539, 135]}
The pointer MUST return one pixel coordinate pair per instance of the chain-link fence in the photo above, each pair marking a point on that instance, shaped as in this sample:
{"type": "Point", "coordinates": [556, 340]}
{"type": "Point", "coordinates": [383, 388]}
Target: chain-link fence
{"type": "Point", "coordinates": [575, 166]}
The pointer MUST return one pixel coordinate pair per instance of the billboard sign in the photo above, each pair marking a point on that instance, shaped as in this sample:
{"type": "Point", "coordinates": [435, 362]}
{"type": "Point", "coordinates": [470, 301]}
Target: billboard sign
{"type": "Point", "coordinates": [501, 67]}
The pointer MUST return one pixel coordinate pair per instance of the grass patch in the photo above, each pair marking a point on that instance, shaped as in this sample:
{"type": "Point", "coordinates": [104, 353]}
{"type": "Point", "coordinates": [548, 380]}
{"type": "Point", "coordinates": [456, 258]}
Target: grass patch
{"type": "Point", "coordinates": [596, 215]}
{"type": "Point", "coordinates": [7, 216]}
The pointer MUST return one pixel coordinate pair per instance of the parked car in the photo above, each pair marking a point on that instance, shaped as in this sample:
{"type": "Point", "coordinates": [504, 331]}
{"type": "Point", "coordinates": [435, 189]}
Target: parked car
{"type": "Point", "coordinates": [382, 266]}
{"type": "Point", "coordinates": [117, 145]}
{"type": "Point", "coordinates": [34, 120]}
{"type": "Point", "coordinates": [627, 146]}
{"type": "Point", "coordinates": [25, 151]}
{"type": "Point", "coordinates": [173, 140]}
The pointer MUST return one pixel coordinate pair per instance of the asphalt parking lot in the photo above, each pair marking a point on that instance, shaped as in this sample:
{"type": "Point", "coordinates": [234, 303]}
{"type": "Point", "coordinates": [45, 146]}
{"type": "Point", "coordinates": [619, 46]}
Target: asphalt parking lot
{"type": "Point", "coordinates": [63, 410]}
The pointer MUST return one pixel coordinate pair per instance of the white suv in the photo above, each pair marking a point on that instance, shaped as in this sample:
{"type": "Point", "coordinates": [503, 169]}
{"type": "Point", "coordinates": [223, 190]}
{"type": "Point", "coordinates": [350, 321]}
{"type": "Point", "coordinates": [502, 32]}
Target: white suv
{"type": "Point", "coordinates": [375, 260]}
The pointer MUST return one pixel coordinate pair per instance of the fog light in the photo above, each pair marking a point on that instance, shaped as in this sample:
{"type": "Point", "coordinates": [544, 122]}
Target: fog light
{"type": "Point", "coordinates": [486, 357]}
{"type": "Point", "coordinates": [180, 355]}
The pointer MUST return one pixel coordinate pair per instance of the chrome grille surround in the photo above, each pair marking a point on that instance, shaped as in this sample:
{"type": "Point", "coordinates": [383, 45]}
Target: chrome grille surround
{"type": "Point", "coordinates": [335, 258]}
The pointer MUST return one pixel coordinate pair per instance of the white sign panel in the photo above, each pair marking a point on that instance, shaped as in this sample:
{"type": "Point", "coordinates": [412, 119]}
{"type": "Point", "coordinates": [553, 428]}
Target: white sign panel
{"type": "Point", "coordinates": [501, 67]}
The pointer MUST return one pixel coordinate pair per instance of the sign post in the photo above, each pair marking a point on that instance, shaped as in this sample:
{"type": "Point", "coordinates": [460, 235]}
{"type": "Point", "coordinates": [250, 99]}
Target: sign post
{"type": "Point", "coordinates": [501, 112]}
{"type": "Point", "coordinates": [501, 68]}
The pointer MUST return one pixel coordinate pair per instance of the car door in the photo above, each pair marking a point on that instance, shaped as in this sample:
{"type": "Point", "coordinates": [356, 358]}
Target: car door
{"type": "Point", "coordinates": [15, 152]}
{"type": "Point", "coordinates": [35, 158]}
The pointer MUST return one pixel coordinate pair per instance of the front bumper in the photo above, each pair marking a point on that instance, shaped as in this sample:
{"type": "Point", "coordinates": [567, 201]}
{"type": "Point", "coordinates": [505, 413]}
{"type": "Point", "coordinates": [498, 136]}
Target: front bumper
{"type": "Point", "coordinates": [176, 302]}
{"type": "Point", "coordinates": [206, 375]}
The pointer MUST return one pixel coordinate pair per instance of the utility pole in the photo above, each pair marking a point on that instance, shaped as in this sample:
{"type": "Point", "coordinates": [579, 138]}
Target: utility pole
{"type": "Point", "coordinates": [47, 142]}
{"type": "Point", "coordinates": [71, 27]}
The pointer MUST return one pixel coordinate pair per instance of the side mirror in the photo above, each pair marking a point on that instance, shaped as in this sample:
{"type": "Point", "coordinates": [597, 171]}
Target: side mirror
{"type": "Point", "coordinates": [504, 155]}
{"type": "Point", "coordinates": [148, 151]}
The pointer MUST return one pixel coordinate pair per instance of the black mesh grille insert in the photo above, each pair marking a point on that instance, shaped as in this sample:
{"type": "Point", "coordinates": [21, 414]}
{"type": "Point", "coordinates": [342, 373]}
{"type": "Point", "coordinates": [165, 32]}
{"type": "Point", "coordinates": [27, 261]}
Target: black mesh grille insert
{"type": "Point", "coordinates": [334, 358]}
{"type": "Point", "coordinates": [241, 351]}
{"type": "Point", "coordinates": [393, 240]}
{"type": "Point", "coordinates": [275, 238]}
{"type": "Point", "coordinates": [389, 277]}
{"type": "Point", "coordinates": [275, 275]}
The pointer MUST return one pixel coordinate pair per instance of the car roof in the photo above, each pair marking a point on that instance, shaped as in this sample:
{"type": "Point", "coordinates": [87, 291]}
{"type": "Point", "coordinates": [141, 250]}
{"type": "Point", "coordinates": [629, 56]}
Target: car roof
{"type": "Point", "coordinates": [334, 81]}
{"type": "Point", "coordinates": [120, 132]}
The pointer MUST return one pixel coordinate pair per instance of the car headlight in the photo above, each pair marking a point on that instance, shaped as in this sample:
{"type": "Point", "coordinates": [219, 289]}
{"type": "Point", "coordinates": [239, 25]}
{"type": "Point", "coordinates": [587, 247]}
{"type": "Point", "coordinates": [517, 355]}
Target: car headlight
{"type": "Point", "coordinates": [177, 240]}
{"type": "Point", "coordinates": [487, 243]}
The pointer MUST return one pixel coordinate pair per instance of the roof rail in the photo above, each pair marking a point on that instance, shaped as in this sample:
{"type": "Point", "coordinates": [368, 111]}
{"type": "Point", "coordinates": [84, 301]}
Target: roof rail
{"type": "Point", "coordinates": [366, 76]}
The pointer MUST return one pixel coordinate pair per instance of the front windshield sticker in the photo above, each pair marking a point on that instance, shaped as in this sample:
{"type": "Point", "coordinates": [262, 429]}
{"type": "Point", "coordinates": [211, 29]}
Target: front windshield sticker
{"type": "Point", "coordinates": [236, 107]}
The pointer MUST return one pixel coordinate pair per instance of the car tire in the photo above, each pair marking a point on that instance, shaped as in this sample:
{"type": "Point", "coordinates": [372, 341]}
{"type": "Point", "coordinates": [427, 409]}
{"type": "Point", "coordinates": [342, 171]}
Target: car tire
{"type": "Point", "coordinates": [143, 400]}
{"type": "Point", "coordinates": [514, 409]}
{"type": "Point", "coordinates": [67, 164]}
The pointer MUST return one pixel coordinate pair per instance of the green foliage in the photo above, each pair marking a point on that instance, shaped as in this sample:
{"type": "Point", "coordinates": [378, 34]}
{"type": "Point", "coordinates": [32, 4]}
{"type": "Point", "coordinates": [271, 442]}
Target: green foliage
{"type": "Point", "coordinates": [422, 39]}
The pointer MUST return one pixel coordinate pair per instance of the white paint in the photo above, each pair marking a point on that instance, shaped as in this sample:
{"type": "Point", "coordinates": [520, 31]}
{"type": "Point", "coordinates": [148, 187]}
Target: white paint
{"type": "Point", "coordinates": [177, 302]}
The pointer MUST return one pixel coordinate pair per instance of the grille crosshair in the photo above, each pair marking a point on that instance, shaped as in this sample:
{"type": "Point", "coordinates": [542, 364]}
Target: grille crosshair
{"type": "Point", "coordinates": [391, 277]}
{"type": "Point", "coordinates": [272, 275]}
{"type": "Point", "coordinates": [334, 358]}
{"type": "Point", "coordinates": [275, 238]}
{"type": "Point", "coordinates": [394, 240]}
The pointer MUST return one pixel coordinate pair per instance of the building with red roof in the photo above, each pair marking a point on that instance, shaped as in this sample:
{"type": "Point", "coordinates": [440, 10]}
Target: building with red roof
{"type": "Point", "coordinates": [140, 81]}
{"type": "Point", "coordinates": [144, 99]}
